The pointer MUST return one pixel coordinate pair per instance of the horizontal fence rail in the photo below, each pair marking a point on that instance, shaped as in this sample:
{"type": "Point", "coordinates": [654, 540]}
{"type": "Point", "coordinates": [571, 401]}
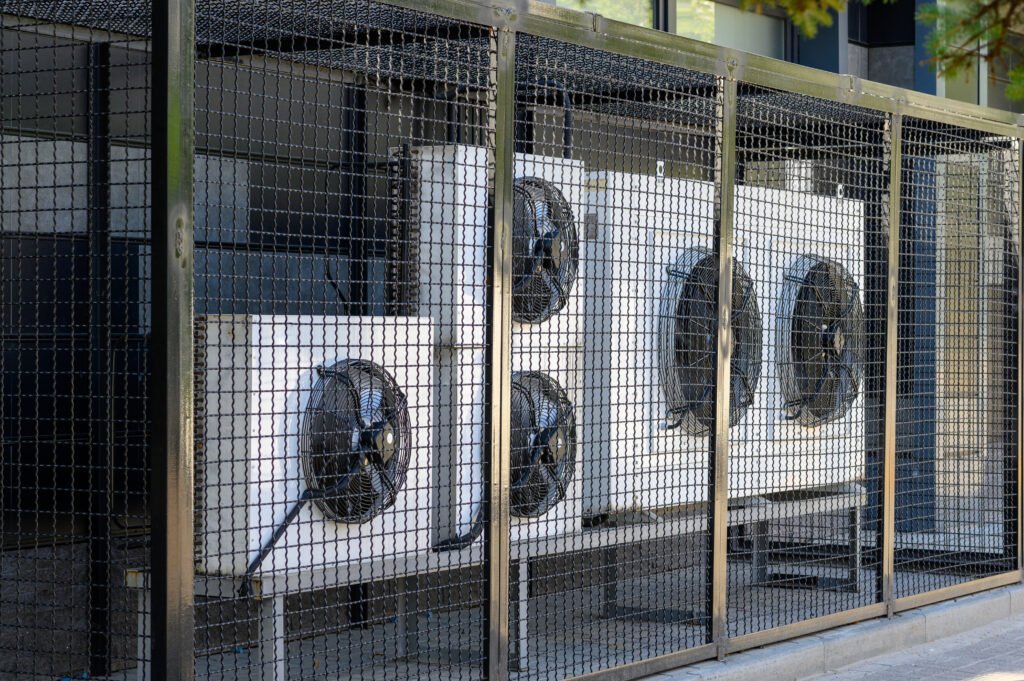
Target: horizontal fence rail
{"type": "Point", "coordinates": [445, 340]}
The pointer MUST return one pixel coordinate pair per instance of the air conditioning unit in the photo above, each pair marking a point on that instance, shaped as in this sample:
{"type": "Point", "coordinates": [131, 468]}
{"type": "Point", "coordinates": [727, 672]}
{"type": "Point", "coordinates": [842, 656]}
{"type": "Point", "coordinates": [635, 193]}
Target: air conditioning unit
{"type": "Point", "coordinates": [652, 328]}
{"type": "Point", "coordinates": [439, 201]}
{"type": "Point", "coordinates": [313, 441]}
{"type": "Point", "coordinates": [805, 426]}
{"type": "Point", "coordinates": [548, 278]}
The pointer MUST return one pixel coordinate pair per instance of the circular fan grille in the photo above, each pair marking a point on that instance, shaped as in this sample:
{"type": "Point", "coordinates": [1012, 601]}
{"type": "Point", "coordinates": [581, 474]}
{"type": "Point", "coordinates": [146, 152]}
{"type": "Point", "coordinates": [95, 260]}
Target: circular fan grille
{"type": "Point", "coordinates": [543, 444]}
{"type": "Point", "coordinates": [820, 340]}
{"type": "Point", "coordinates": [355, 441]}
{"type": "Point", "coordinates": [687, 336]}
{"type": "Point", "coordinates": [545, 250]}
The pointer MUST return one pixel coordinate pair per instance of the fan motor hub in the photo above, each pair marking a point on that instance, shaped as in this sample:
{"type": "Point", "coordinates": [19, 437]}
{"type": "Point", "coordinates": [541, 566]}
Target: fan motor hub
{"type": "Point", "coordinates": [554, 440]}
{"type": "Point", "coordinates": [381, 438]}
{"type": "Point", "coordinates": [549, 250]}
{"type": "Point", "coordinates": [833, 339]}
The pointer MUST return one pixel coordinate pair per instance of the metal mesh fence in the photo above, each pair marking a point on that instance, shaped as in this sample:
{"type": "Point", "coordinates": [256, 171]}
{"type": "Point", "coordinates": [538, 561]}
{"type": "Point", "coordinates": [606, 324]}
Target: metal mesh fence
{"type": "Point", "coordinates": [613, 242]}
{"type": "Point", "coordinates": [74, 228]}
{"type": "Point", "coordinates": [458, 348]}
{"type": "Point", "coordinates": [344, 161]}
{"type": "Point", "coordinates": [957, 458]}
{"type": "Point", "coordinates": [807, 418]}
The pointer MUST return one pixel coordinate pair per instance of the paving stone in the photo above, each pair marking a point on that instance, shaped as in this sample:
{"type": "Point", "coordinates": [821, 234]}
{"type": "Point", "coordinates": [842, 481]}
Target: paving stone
{"type": "Point", "coordinates": [991, 652]}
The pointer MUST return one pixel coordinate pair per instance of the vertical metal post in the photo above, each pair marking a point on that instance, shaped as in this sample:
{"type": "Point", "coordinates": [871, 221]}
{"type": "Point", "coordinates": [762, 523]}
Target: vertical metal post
{"type": "Point", "coordinates": [499, 361]}
{"type": "Point", "coordinates": [353, 196]}
{"type": "Point", "coordinates": [893, 142]}
{"type": "Point", "coordinates": [101, 450]}
{"type": "Point", "coordinates": [718, 477]}
{"type": "Point", "coordinates": [171, 480]}
{"type": "Point", "coordinates": [1019, 160]}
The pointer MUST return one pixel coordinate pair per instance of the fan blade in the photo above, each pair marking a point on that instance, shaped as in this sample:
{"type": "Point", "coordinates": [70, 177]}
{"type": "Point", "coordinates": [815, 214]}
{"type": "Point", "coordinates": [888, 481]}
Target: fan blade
{"type": "Point", "coordinates": [748, 389]}
{"type": "Point", "coordinates": [377, 461]}
{"type": "Point", "coordinates": [340, 485]}
{"type": "Point", "coordinates": [542, 216]}
{"type": "Point", "coordinates": [851, 376]}
{"type": "Point", "coordinates": [345, 377]}
{"type": "Point", "coordinates": [553, 284]}
{"type": "Point", "coordinates": [550, 471]}
{"type": "Point", "coordinates": [828, 378]}
{"type": "Point", "coordinates": [854, 298]}
{"type": "Point", "coordinates": [535, 456]}
{"type": "Point", "coordinates": [839, 295]}
{"type": "Point", "coordinates": [710, 296]}
{"type": "Point", "coordinates": [370, 403]}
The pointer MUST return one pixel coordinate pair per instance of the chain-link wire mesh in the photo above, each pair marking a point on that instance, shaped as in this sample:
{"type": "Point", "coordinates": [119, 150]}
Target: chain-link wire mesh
{"type": "Point", "coordinates": [957, 392]}
{"type": "Point", "coordinates": [618, 253]}
{"type": "Point", "coordinates": [806, 439]}
{"type": "Point", "coordinates": [74, 229]}
{"type": "Point", "coordinates": [348, 270]}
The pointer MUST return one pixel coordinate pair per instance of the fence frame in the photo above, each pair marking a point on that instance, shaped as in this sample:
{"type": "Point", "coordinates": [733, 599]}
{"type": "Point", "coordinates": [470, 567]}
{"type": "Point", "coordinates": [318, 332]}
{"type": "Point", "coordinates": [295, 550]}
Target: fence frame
{"type": "Point", "coordinates": [172, 220]}
{"type": "Point", "coordinates": [173, 128]}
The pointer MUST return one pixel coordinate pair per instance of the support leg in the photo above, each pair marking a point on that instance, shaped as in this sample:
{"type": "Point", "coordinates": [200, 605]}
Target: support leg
{"type": "Point", "coordinates": [273, 659]}
{"type": "Point", "coordinates": [517, 658]}
{"type": "Point", "coordinates": [610, 588]}
{"type": "Point", "coordinates": [853, 529]}
{"type": "Point", "coordinates": [408, 617]}
{"type": "Point", "coordinates": [759, 551]}
{"type": "Point", "coordinates": [144, 635]}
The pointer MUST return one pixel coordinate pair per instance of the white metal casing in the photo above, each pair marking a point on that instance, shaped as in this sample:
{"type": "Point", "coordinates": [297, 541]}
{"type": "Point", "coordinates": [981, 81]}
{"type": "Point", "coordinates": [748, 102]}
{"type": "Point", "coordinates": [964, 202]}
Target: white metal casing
{"type": "Point", "coordinates": [563, 329]}
{"type": "Point", "coordinates": [555, 346]}
{"type": "Point", "coordinates": [255, 382]}
{"type": "Point", "coordinates": [770, 452]}
{"type": "Point", "coordinates": [642, 224]}
{"type": "Point", "coordinates": [450, 193]}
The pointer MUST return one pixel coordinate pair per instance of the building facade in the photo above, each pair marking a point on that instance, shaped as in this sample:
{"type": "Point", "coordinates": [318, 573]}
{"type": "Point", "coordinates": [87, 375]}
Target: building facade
{"type": "Point", "coordinates": [880, 42]}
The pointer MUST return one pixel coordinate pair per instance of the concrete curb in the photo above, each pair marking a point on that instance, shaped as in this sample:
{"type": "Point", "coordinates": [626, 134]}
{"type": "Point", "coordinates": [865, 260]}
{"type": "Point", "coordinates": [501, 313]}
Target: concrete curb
{"type": "Point", "coordinates": [830, 650]}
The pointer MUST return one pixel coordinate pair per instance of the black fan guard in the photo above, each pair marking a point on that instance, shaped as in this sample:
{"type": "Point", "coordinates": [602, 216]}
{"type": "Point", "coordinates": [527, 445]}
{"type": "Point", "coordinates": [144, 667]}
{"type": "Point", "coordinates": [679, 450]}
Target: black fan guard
{"type": "Point", "coordinates": [820, 340]}
{"type": "Point", "coordinates": [687, 338]}
{"type": "Point", "coordinates": [354, 443]}
{"type": "Point", "coordinates": [543, 444]}
{"type": "Point", "coordinates": [545, 250]}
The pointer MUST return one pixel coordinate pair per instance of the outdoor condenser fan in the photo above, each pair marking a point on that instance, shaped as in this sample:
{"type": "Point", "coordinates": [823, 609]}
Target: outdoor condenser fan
{"type": "Point", "coordinates": [354, 446]}
{"type": "Point", "coordinates": [820, 340]}
{"type": "Point", "coordinates": [543, 444]}
{"type": "Point", "coordinates": [687, 336]}
{"type": "Point", "coordinates": [355, 441]}
{"type": "Point", "coordinates": [545, 250]}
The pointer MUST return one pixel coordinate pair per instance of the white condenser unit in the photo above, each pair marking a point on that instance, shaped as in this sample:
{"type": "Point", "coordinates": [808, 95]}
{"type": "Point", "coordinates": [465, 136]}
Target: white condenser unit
{"type": "Point", "coordinates": [805, 255]}
{"type": "Point", "coordinates": [646, 436]}
{"type": "Point", "coordinates": [314, 440]}
{"type": "Point", "coordinates": [443, 194]}
{"type": "Point", "coordinates": [548, 279]}
{"type": "Point", "coordinates": [652, 328]}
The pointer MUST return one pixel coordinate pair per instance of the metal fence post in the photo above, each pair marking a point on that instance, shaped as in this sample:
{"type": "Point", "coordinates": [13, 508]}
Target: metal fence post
{"type": "Point", "coordinates": [101, 456]}
{"type": "Point", "coordinates": [1019, 158]}
{"type": "Point", "coordinates": [171, 397]}
{"type": "Point", "coordinates": [718, 478]}
{"type": "Point", "coordinates": [893, 142]}
{"type": "Point", "coordinates": [499, 354]}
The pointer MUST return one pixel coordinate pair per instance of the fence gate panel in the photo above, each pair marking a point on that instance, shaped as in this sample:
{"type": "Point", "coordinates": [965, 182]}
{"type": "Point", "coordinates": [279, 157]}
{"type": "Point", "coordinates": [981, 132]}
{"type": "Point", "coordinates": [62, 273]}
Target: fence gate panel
{"type": "Point", "coordinates": [613, 337]}
{"type": "Point", "coordinates": [74, 321]}
{"type": "Point", "coordinates": [808, 363]}
{"type": "Point", "coordinates": [956, 466]}
{"type": "Point", "coordinates": [343, 174]}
